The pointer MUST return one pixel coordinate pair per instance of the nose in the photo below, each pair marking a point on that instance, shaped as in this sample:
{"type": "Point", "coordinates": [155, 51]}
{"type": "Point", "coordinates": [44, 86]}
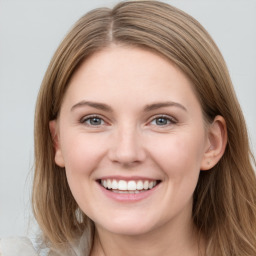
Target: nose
{"type": "Point", "coordinates": [126, 147]}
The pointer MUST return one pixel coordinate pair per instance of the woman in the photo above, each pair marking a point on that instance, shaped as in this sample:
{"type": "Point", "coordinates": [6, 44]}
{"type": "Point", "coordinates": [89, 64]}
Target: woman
{"type": "Point", "coordinates": [141, 147]}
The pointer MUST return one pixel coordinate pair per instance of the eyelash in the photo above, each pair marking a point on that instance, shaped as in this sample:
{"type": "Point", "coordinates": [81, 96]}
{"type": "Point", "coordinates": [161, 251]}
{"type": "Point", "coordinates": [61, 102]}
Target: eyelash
{"type": "Point", "coordinates": [169, 120]}
{"type": "Point", "coordinates": [90, 118]}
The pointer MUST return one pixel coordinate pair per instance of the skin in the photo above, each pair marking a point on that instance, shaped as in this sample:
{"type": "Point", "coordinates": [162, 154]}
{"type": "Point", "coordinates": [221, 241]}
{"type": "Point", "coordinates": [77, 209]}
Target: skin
{"type": "Point", "coordinates": [129, 141]}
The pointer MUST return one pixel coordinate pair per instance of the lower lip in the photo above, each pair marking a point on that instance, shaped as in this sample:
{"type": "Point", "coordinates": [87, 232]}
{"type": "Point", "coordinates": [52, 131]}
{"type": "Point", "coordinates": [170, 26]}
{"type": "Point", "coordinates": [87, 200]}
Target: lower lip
{"type": "Point", "coordinates": [127, 197]}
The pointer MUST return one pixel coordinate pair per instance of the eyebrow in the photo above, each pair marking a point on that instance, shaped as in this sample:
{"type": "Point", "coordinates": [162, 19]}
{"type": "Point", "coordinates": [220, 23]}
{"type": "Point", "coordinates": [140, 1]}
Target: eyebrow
{"type": "Point", "coordinates": [100, 106]}
{"type": "Point", "coordinates": [150, 107]}
{"type": "Point", "coordinates": [162, 105]}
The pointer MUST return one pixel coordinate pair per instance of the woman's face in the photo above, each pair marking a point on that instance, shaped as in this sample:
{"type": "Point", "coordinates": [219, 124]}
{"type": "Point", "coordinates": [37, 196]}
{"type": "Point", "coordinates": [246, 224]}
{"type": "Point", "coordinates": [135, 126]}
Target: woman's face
{"type": "Point", "coordinates": [132, 139]}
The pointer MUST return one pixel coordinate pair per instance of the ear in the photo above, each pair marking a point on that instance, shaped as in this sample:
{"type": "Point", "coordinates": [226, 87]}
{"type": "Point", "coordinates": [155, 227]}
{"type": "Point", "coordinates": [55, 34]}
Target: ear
{"type": "Point", "coordinates": [216, 143]}
{"type": "Point", "coordinates": [53, 126]}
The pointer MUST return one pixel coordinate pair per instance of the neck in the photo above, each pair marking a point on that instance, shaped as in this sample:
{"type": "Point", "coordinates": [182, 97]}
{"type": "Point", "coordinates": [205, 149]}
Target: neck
{"type": "Point", "coordinates": [170, 239]}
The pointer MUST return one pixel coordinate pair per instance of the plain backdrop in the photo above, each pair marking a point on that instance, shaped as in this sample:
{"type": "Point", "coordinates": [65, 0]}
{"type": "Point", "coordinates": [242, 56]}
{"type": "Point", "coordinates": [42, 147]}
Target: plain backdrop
{"type": "Point", "coordinates": [30, 31]}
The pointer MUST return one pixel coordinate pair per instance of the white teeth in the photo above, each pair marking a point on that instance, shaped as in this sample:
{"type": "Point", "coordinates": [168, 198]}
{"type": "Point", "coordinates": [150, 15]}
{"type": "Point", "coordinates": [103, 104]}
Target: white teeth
{"type": "Point", "coordinates": [139, 185]}
{"type": "Point", "coordinates": [122, 185]}
{"type": "Point", "coordinates": [109, 184]}
{"type": "Point", "coordinates": [145, 184]}
{"type": "Point", "coordinates": [114, 184]}
{"type": "Point", "coordinates": [132, 186]}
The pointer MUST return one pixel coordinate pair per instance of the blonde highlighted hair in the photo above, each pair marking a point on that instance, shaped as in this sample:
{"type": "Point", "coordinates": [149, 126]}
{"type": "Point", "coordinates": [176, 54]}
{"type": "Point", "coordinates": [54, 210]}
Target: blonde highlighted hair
{"type": "Point", "coordinates": [224, 207]}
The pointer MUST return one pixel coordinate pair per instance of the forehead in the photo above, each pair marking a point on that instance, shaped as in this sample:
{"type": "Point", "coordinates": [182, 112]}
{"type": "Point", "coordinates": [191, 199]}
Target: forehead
{"type": "Point", "coordinates": [124, 72]}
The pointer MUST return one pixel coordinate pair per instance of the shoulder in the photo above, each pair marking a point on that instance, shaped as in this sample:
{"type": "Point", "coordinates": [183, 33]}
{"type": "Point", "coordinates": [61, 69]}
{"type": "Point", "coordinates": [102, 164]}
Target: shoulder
{"type": "Point", "coordinates": [17, 246]}
{"type": "Point", "coordinates": [23, 246]}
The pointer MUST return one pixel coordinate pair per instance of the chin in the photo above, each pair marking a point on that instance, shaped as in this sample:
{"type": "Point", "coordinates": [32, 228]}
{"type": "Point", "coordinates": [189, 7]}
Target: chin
{"type": "Point", "coordinates": [128, 227]}
{"type": "Point", "coordinates": [129, 230]}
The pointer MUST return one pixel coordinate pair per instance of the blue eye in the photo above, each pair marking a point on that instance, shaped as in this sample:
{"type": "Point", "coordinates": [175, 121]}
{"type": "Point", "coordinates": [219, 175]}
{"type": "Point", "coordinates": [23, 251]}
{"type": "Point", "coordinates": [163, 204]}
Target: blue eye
{"type": "Point", "coordinates": [163, 121]}
{"type": "Point", "coordinates": [93, 121]}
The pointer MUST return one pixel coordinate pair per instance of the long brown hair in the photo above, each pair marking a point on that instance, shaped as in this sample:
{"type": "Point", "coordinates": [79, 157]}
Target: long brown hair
{"type": "Point", "coordinates": [224, 207]}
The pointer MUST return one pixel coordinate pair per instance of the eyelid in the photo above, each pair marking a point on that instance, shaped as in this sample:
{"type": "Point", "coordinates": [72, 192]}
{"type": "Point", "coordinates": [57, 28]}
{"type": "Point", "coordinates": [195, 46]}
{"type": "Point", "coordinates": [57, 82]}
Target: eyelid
{"type": "Point", "coordinates": [84, 118]}
{"type": "Point", "coordinates": [166, 116]}
{"type": "Point", "coordinates": [171, 120]}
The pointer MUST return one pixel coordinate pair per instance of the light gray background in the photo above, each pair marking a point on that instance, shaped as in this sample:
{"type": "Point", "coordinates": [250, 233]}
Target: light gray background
{"type": "Point", "coordinates": [30, 31]}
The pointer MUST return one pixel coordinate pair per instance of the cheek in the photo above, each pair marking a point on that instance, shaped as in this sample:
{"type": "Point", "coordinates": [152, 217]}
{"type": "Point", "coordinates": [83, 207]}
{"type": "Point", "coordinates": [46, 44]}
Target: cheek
{"type": "Point", "coordinates": [180, 159]}
{"type": "Point", "coordinates": [82, 152]}
{"type": "Point", "coordinates": [179, 155]}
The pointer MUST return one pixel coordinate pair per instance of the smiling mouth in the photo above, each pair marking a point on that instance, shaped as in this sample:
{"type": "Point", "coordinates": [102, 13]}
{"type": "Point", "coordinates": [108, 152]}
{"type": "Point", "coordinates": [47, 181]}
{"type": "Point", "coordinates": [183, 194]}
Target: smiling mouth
{"type": "Point", "coordinates": [131, 186]}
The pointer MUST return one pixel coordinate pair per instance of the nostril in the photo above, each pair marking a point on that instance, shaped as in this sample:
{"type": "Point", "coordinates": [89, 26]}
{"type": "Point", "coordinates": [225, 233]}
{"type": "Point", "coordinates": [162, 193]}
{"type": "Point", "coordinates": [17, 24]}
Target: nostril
{"type": "Point", "coordinates": [126, 149]}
